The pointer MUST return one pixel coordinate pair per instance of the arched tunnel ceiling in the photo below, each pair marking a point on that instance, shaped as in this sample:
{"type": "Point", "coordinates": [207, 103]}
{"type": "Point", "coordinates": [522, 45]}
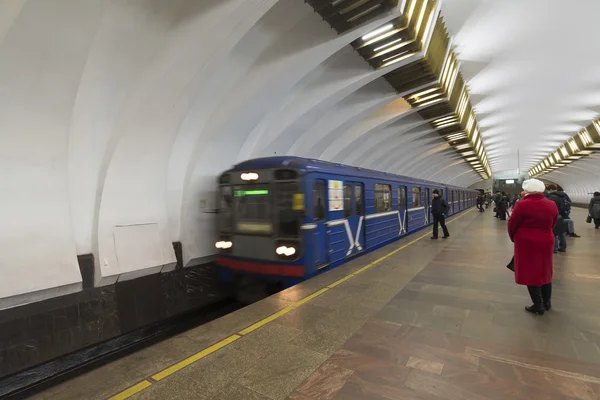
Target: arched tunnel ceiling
{"type": "Point", "coordinates": [122, 113]}
{"type": "Point", "coordinates": [532, 68]}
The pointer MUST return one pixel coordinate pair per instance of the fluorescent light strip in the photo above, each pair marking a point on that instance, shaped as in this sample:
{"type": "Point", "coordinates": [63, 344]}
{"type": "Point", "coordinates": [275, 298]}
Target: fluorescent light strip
{"type": "Point", "coordinates": [446, 69]}
{"type": "Point", "coordinates": [462, 104]}
{"type": "Point", "coordinates": [446, 125]}
{"type": "Point", "coordinates": [378, 31]}
{"type": "Point", "coordinates": [421, 16]}
{"type": "Point", "coordinates": [392, 57]}
{"type": "Point", "coordinates": [397, 60]}
{"type": "Point", "coordinates": [414, 96]}
{"type": "Point", "coordinates": [433, 96]}
{"type": "Point", "coordinates": [456, 136]}
{"type": "Point", "coordinates": [429, 102]}
{"type": "Point", "coordinates": [413, 4]}
{"type": "Point", "coordinates": [428, 27]}
{"type": "Point", "coordinates": [445, 119]}
{"type": "Point", "coordinates": [470, 122]}
{"type": "Point", "coordinates": [453, 80]}
{"type": "Point", "coordinates": [388, 44]}
{"type": "Point", "coordinates": [396, 47]}
{"type": "Point", "coordinates": [585, 137]}
{"type": "Point", "coordinates": [381, 37]}
{"type": "Point", "coordinates": [564, 151]}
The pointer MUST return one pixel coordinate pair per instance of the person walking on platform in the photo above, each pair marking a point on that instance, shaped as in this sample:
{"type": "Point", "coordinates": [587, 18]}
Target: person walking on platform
{"type": "Point", "coordinates": [480, 201]}
{"type": "Point", "coordinates": [530, 229]}
{"type": "Point", "coordinates": [439, 209]}
{"type": "Point", "coordinates": [594, 209]}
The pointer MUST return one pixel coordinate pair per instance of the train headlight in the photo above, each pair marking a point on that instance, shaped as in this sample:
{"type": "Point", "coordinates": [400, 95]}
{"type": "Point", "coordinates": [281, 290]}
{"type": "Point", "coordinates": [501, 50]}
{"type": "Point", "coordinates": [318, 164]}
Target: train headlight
{"type": "Point", "coordinates": [285, 251]}
{"type": "Point", "coordinates": [223, 245]}
{"type": "Point", "coordinates": [249, 176]}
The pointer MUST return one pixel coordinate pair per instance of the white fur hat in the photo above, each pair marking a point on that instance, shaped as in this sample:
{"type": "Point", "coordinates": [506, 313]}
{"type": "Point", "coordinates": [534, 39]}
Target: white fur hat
{"type": "Point", "coordinates": [534, 186]}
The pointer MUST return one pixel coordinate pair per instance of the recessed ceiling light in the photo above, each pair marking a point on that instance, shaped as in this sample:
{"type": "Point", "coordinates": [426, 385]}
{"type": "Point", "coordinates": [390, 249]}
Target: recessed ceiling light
{"type": "Point", "coordinates": [387, 44]}
{"type": "Point", "coordinates": [378, 31]}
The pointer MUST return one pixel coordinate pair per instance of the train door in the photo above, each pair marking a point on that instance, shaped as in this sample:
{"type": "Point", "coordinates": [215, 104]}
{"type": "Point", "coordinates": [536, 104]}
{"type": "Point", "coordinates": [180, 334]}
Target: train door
{"type": "Point", "coordinates": [354, 213]}
{"type": "Point", "coordinates": [427, 205]}
{"type": "Point", "coordinates": [402, 210]}
{"type": "Point", "coordinates": [320, 241]}
{"type": "Point", "coordinates": [453, 202]}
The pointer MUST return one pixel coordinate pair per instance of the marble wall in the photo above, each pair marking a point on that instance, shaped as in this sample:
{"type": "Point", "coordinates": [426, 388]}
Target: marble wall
{"type": "Point", "coordinates": [38, 332]}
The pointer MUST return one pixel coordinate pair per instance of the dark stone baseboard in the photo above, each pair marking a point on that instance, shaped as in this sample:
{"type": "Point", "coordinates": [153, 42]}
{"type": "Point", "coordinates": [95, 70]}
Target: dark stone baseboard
{"type": "Point", "coordinates": [36, 333]}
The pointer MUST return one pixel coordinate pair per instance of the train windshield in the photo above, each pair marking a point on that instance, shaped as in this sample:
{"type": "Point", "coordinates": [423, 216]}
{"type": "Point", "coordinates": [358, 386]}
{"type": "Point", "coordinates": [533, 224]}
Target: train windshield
{"type": "Point", "coordinates": [252, 205]}
{"type": "Point", "coordinates": [261, 209]}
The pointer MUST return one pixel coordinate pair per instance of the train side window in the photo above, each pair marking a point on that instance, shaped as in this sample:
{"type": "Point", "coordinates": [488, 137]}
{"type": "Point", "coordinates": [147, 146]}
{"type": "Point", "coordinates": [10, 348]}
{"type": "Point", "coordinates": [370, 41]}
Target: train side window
{"type": "Point", "coordinates": [319, 201]}
{"type": "Point", "coordinates": [358, 197]}
{"type": "Point", "coordinates": [416, 196]}
{"type": "Point", "coordinates": [402, 198]}
{"type": "Point", "coordinates": [347, 201]}
{"type": "Point", "coordinates": [383, 198]}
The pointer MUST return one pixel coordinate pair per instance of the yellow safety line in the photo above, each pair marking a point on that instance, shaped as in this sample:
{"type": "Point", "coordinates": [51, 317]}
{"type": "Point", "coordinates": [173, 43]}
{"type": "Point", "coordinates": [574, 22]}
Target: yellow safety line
{"type": "Point", "coordinates": [217, 346]}
{"type": "Point", "coordinates": [309, 298]}
{"type": "Point", "coordinates": [192, 359]}
{"type": "Point", "coordinates": [265, 321]}
{"type": "Point", "coordinates": [131, 391]}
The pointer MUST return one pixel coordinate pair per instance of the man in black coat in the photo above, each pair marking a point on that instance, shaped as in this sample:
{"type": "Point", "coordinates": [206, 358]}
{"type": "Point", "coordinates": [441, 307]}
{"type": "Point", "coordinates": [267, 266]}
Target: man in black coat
{"type": "Point", "coordinates": [439, 209]}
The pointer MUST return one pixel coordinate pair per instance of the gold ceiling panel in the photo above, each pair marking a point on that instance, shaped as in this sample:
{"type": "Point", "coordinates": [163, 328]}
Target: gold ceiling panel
{"type": "Point", "coordinates": [344, 15]}
{"type": "Point", "coordinates": [430, 81]}
{"type": "Point", "coordinates": [582, 144]}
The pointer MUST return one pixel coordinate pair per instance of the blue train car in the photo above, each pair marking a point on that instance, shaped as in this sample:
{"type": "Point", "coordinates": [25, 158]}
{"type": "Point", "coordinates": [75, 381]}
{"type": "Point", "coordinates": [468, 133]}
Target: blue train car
{"type": "Point", "coordinates": [286, 219]}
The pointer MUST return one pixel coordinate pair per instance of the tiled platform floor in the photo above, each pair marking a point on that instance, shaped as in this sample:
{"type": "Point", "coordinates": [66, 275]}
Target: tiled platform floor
{"type": "Point", "coordinates": [436, 320]}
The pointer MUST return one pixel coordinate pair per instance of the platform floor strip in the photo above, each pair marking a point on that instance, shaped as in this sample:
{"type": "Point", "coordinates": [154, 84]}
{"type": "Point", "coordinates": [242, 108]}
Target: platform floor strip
{"type": "Point", "coordinates": [132, 390]}
{"type": "Point", "coordinates": [219, 345]}
{"type": "Point", "coordinates": [265, 321]}
{"type": "Point", "coordinates": [192, 359]}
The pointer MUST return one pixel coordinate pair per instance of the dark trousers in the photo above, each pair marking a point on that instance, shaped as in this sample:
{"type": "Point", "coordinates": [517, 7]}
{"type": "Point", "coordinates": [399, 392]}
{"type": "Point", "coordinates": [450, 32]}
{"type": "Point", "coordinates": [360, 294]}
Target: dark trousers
{"type": "Point", "coordinates": [502, 213]}
{"type": "Point", "coordinates": [540, 294]}
{"type": "Point", "coordinates": [439, 219]}
{"type": "Point", "coordinates": [597, 222]}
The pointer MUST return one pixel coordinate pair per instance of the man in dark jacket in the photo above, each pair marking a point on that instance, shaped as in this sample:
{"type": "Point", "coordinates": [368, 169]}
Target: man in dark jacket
{"type": "Point", "coordinates": [594, 209]}
{"type": "Point", "coordinates": [439, 209]}
{"type": "Point", "coordinates": [563, 202]}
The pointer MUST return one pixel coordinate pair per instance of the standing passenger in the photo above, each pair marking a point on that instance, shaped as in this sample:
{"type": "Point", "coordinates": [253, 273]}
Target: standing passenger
{"type": "Point", "coordinates": [594, 209]}
{"type": "Point", "coordinates": [439, 209]}
{"type": "Point", "coordinates": [530, 229]}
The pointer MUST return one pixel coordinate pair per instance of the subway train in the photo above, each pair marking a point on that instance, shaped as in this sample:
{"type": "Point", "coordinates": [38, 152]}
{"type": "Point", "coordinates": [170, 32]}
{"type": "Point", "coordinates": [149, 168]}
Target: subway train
{"type": "Point", "coordinates": [282, 220]}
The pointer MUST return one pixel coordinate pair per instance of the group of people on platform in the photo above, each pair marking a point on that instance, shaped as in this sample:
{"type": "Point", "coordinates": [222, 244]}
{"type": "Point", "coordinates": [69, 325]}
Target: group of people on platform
{"type": "Point", "coordinates": [539, 221]}
{"type": "Point", "coordinates": [538, 226]}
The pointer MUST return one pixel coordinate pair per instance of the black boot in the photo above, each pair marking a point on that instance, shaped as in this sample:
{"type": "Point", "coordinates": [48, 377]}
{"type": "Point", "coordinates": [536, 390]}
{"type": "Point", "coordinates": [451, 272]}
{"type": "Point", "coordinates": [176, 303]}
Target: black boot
{"type": "Point", "coordinates": [538, 304]}
{"type": "Point", "coordinates": [547, 295]}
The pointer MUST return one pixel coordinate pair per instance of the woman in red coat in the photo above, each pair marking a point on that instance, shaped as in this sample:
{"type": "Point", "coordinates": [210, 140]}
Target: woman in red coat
{"type": "Point", "coordinates": [530, 229]}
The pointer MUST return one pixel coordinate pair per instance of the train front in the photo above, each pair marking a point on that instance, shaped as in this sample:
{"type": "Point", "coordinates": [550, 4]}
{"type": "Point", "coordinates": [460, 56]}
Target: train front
{"type": "Point", "coordinates": [259, 223]}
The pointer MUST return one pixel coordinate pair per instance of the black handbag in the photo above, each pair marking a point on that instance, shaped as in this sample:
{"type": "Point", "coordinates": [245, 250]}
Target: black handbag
{"type": "Point", "coordinates": [588, 219]}
{"type": "Point", "coordinates": [511, 264]}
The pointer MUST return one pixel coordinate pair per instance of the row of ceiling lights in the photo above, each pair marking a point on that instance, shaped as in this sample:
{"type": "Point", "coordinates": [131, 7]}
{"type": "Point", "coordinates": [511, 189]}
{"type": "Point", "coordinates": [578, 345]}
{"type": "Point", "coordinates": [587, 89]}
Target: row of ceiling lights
{"type": "Point", "coordinates": [584, 143]}
{"type": "Point", "coordinates": [409, 37]}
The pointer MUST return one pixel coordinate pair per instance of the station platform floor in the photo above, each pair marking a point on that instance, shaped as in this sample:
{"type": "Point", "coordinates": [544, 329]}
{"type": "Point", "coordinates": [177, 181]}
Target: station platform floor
{"type": "Point", "coordinates": [418, 319]}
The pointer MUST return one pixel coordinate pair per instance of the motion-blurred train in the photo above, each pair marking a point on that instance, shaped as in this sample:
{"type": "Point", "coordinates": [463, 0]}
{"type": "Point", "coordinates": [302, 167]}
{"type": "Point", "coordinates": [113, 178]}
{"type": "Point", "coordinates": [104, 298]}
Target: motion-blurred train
{"type": "Point", "coordinates": [286, 219]}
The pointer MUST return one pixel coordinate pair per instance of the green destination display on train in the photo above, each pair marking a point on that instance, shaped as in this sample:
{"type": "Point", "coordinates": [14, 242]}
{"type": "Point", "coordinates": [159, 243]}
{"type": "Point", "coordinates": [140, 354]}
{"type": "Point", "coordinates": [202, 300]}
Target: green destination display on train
{"type": "Point", "coordinates": [241, 193]}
